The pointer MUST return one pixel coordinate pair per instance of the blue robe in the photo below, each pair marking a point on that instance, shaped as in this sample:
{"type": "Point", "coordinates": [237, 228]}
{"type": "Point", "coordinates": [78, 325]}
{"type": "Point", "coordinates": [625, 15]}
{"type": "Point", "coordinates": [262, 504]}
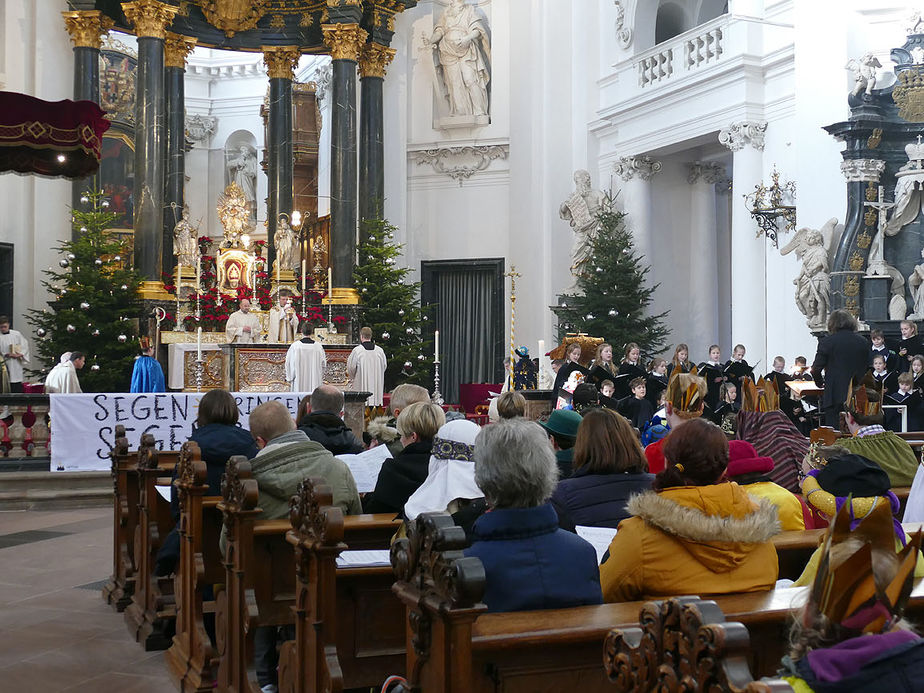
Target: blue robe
{"type": "Point", "coordinates": [148, 376]}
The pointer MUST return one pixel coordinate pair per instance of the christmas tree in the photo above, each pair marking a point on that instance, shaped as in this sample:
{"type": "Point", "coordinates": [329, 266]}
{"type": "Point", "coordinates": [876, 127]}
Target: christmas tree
{"type": "Point", "coordinates": [95, 302]}
{"type": "Point", "coordinates": [391, 307]}
{"type": "Point", "coordinates": [612, 296]}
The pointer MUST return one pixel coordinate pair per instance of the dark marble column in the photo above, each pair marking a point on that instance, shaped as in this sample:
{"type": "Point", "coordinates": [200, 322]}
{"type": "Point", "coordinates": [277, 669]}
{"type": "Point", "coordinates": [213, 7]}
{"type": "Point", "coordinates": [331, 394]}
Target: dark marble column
{"type": "Point", "coordinates": [176, 49]}
{"type": "Point", "coordinates": [85, 29]}
{"type": "Point", "coordinates": [344, 41]}
{"type": "Point", "coordinates": [373, 60]}
{"type": "Point", "coordinates": [150, 19]}
{"type": "Point", "coordinates": [280, 63]}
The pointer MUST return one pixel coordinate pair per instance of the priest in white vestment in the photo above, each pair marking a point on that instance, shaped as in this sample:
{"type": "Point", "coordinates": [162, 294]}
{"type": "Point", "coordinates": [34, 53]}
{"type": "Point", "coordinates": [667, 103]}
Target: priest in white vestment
{"type": "Point", "coordinates": [283, 322]}
{"type": "Point", "coordinates": [63, 377]}
{"type": "Point", "coordinates": [15, 350]}
{"type": "Point", "coordinates": [366, 367]}
{"type": "Point", "coordinates": [305, 362]}
{"type": "Point", "coordinates": [243, 327]}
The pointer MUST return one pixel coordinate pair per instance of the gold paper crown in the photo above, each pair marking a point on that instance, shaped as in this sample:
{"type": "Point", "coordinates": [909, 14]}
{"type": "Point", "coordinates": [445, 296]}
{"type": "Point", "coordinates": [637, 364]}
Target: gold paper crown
{"type": "Point", "coordinates": [862, 583]}
{"type": "Point", "coordinates": [144, 343]}
{"type": "Point", "coordinates": [686, 401]}
{"type": "Point", "coordinates": [859, 399]}
{"type": "Point", "coordinates": [818, 454]}
{"type": "Point", "coordinates": [762, 397]}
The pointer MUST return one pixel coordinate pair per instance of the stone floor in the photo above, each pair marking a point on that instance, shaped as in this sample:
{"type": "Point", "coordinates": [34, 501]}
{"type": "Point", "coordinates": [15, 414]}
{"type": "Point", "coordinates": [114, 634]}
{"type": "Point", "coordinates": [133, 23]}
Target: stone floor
{"type": "Point", "coordinates": [56, 633]}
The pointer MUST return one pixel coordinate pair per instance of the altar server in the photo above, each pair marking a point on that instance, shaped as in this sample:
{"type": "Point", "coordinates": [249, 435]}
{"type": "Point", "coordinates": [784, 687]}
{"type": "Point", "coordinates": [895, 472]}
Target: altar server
{"type": "Point", "coordinates": [243, 327]}
{"type": "Point", "coordinates": [14, 348]}
{"type": "Point", "coordinates": [147, 375]}
{"type": "Point", "coordinates": [63, 377]}
{"type": "Point", "coordinates": [283, 322]}
{"type": "Point", "coordinates": [305, 363]}
{"type": "Point", "coordinates": [366, 367]}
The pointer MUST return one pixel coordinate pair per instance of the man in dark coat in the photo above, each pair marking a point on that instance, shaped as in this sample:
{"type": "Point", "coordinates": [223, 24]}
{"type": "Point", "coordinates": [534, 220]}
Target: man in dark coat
{"type": "Point", "coordinates": [323, 422]}
{"type": "Point", "coordinates": [843, 355]}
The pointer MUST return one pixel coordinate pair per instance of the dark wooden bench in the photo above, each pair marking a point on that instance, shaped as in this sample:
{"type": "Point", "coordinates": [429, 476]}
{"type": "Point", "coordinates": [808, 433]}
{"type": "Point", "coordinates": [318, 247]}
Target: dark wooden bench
{"type": "Point", "coordinates": [266, 586]}
{"type": "Point", "coordinates": [118, 590]}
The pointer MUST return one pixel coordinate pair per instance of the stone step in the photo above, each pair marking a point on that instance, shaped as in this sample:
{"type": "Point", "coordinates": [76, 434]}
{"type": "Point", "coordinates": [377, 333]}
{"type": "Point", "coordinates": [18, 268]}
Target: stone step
{"type": "Point", "coordinates": [55, 490]}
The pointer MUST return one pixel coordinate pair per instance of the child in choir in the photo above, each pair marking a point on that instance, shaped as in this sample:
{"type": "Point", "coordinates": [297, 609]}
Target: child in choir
{"type": "Point", "coordinates": [728, 404]}
{"type": "Point", "coordinates": [681, 360]}
{"type": "Point", "coordinates": [572, 363]}
{"type": "Point", "coordinates": [917, 372]}
{"type": "Point", "coordinates": [657, 381]}
{"type": "Point", "coordinates": [736, 367]}
{"type": "Point", "coordinates": [885, 378]}
{"type": "Point", "coordinates": [911, 398]}
{"type": "Point", "coordinates": [636, 408]}
{"type": "Point", "coordinates": [779, 375]}
{"type": "Point", "coordinates": [631, 368]}
{"type": "Point", "coordinates": [607, 388]}
{"type": "Point", "coordinates": [909, 345]}
{"type": "Point", "coordinates": [879, 348]}
{"type": "Point", "coordinates": [712, 372]}
{"type": "Point", "coordinates": [800, 369]}
{"type": "Point", "coordinates": [604, 359]}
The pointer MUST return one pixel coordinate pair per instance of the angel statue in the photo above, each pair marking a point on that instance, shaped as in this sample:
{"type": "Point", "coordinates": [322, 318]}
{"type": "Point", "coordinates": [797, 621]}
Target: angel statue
{"type": "Point", "coordinates": [813, 285]}
{"type": "Point", "coordinates": [185, 245]}
{"type": "Point", "coordinates": [864, 73]}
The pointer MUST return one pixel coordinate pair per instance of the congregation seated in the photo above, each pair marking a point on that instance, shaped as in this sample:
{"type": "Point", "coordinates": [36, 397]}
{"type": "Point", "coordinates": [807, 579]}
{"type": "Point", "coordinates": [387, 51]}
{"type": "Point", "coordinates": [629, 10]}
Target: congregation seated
{"type": "Point", "coordinates": [868, 437]}
{"type": "Point", "coordinates": [383, 429]}
{"type": "Point", "coordinates": [529, 562]}
{"type": "Point", "coordinates": [684, 400]}
{"type": "Point", "coordinates": [403, 474]}
{"type": "Point", "coordinates": [773, 434]}
{"type": "Point", "coordinates": [695, 533]}
{"type": "Point", "coordinates": [450, 484]}
{"type": "Point", "coordinates": [609, 467]}
{"type": "Point", "coordinates": [850, 635]}
{"type": "Point", "coordinates": [837, 478]}
{"type": "Point", "coordinates": [750, 471]}
{"type": "Point", "coordinates": [562, 428]}
{"type": "Point", "coordinates": [320, 417]}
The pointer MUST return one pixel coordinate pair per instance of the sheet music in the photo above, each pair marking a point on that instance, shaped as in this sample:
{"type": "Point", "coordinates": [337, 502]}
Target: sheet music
{"type": "Point", "coordinates": [365, 558]}
{"type": "Point", "coordinates": [598, 537]}
{"type": "Point", "coordinates": [366, 466]}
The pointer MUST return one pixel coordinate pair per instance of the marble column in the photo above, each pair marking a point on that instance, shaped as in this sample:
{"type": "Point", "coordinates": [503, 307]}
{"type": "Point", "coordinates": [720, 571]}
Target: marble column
{"type": "Point", "coordinates": [703, 307]}
{"type": "Point", "coordinates": [86, 29]}
{"type": "Point", "coordinates": [637, 172]}
{"type": "Point", "coordinates": [344, 41]}
{"type": "Point", "coordinates": [281, 62]}
{"type": "Point", "coordinates": [749, 251]}
{"type": "Point", "coordinates": [176, 48]}
{"type": "Point", "coordinates": [150, 19]}
{"type": "Point", "coordinates": [373, 60]}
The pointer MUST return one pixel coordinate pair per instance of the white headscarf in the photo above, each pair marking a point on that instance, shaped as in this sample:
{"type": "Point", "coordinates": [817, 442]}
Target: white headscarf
{"type": "Point", "coordinates": [452, 470]}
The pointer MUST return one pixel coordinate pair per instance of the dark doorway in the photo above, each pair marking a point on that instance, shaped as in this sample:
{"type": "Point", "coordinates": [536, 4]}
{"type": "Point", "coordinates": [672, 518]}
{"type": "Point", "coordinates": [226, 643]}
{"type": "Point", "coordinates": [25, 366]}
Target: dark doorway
{"type": "Point", "coordinates": [469, 313]}
{"type": "Point", "coordinates": [6, 280]}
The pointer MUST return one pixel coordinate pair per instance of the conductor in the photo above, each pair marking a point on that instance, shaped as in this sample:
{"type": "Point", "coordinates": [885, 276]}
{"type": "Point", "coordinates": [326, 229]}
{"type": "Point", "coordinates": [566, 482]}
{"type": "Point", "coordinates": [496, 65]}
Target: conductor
{"type": "Point", "coordinates": [843, 356]}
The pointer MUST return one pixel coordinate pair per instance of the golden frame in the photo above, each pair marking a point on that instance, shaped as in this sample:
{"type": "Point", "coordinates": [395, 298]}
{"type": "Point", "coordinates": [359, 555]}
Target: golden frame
{"type": "Point", "coordinates": [244, 262]}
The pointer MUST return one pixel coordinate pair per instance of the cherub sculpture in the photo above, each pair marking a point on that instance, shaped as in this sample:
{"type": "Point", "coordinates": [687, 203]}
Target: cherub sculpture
{"type": "Point", "coordinates": [813, 287]}
{"type": "Point", "coordinates": [864, 73]}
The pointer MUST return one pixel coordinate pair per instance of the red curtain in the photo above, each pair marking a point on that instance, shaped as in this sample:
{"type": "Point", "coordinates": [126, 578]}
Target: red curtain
{"type": "Point", "coordinates": [52, 138]}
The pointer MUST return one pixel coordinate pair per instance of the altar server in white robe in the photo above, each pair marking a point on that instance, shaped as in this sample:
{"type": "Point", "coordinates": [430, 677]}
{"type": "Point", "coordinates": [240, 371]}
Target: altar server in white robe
{"type": "Point", "coordinates": [283, 322]}
{"type": "Point", "coordinates": [15, 350]}
{"type": "Point", "coordinates": [63, 377]}
{"type": "Point", "coordinates": [243, 327]}
{"type": "Point", "coordinates": [366, 367]}
{"type": "Point", "coordinates": [305, 362]}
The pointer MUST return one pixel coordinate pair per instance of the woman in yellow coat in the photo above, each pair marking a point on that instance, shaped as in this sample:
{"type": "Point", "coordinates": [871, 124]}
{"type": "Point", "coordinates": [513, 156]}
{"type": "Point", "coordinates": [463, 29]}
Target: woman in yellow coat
{"type": "Point", "coordinates": [696, 533]}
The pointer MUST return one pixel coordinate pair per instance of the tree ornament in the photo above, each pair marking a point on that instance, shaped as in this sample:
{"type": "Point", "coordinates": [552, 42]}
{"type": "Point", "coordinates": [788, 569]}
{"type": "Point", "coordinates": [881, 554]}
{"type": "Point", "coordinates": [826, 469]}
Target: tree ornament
{"type": "Point", "coordinates": [425, 318]}
{"type": "Point", "coordinates": [613, 313]}
{"type": "Point", "coordinates": [590, 316]}
{"type": "Point", "coordinates": [40, 332]}
{"type": "Point", "coordinates": [64, 263]}
{"type": "Point", "coordinates": [117, 258]}
{"type": "Point", "coordinates": [94, 367]}
{"type": "Point", "coordinates": [420, 357]}
{"type": "Point", "coordinates": [122, 338]}
{"type": "Point", "coordinates": [401, 312]}
{"type": "Point", "coordinates": [124, 287]}
{"type": "Point", "coordinates": [83, 229]}
{"type": "Point", "coordinates": [390, 261]}
{"type": "Point", "coordinates": [84, 305]}
{"type": "Point", "coordinates": [365, 289]}
{"type": "Point", "coordinates": [71, 328]}
{"type": "Point", "coordinates": [408, 364]}
{"type": "Point", "coordinates": [105, 204]}
{"type": "Point", "coordinates": [385, 335]}
{"type": "Point", "coordinates": [410, 330]}
{"type": "Point", "coordinates": [95, 333]}
{"type": "Point", "coordinates": [97, 262]}
{"type": "Point", "coordinates": [84, 199]}
{"type": "Point", "coordinates": [599, 269]}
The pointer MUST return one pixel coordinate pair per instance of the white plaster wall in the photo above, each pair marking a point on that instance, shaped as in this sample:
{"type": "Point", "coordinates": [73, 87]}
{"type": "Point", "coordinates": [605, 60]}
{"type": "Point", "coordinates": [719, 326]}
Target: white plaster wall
{"type": "Point", "coordinates": [37, 59]}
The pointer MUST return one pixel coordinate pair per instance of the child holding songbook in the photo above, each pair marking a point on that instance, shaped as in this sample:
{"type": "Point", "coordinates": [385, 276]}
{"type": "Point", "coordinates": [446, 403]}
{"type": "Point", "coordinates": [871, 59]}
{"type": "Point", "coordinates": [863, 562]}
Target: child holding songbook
{"type": "Point", "coordinates": [909, 345]}
{"type": "Point", "coordinates": [737, 368]}
{"type": "Point", "coordinates": [713, 373]}
{"type": "Point", "coordinates": [779, 376]}
{"type": "Point", "coordinates": [911, 398]}
{"type": "Point", "coordinates": [728, 404]}
{"type": "Point", "coordinates": [681, 360]}
{"type": "Point", "coordinates": [917, 372]}
{"type": "Point", "coordinates": [885, 378]}
{"type": "Point", "coordinates": [631, 368]}
{"type": "Point", "coordinates": [879, 348]}
{"type": "Point", "coordinates": [657, 381]}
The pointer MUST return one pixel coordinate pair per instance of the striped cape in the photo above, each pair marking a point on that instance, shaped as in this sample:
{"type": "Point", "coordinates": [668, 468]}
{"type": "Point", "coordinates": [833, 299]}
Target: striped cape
{"type": "Point", "coordinates": [773, 435]}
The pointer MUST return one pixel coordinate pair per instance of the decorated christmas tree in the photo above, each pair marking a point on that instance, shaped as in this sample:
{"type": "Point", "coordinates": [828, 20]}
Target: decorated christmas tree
{"type": "Point", "coordinates": [95, 305]}
{"type": "Point", "coordinates": [391, 307]}
{"type": "Point", "coordinates": [612, 294]}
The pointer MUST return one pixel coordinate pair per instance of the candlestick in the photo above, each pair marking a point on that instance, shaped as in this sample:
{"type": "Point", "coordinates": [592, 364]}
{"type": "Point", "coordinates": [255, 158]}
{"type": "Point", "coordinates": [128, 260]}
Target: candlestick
{"type": "Point", "coordinates": [436, 345]}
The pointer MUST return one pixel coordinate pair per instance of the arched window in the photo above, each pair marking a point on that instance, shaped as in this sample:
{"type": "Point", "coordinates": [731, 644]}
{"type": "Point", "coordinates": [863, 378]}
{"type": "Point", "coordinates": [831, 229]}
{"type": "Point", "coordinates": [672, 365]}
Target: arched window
{"type": "Point", "coordinates": [670, 22]}
{"type": "Point", "coordinates": [710, 9]}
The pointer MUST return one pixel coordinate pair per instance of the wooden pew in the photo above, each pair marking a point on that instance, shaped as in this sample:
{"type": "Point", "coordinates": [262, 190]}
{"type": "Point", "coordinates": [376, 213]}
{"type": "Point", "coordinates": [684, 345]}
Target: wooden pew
{"type": "Point", "coordinates": [264, 586]}
{"type": "Point", "coordinates": [117, 592]}
{"type": "Point", "coordinates": [192, 661]}
{"type": "Point", "coordinates": [683, 644]}
{"type": "Point", "coordinates": [150, 615]}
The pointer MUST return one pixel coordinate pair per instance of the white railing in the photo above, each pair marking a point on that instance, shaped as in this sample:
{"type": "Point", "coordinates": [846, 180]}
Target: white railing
{"type": "Point", "coordinates": [700, 46]}
{"type": "Point", "coordinates": [655, 67]}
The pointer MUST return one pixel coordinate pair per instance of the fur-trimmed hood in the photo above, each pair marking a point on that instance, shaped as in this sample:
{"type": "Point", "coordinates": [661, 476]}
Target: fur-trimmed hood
{"type": "Point", "coordinates": [719, 524]}
{"type": "Point", "coordinates": [383, 429]}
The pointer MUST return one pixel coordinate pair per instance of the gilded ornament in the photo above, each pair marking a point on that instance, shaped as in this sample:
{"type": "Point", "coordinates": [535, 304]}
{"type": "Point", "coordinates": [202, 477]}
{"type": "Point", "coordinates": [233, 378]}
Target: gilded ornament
{"type": "Point", "coordinates": [176, 48]}
{"type": "Point", "coordinates": [870, 217]}
{"type": "Point", "coordinates": [149, 17]}
{"type": "Point", "coordinates": [863, 240]}
{"type": "Point", "coordinates": [344, 3]}
{"type": "Point", "coordinates": [277, 22]}
{"type": "Point", "coordinates": [384, 17]}
{"type": "Point", "coordinates": [853, 307]}
{"type": "Point", "coordinates": [872, 192]}
{"type": "Point", "coordinates": [908, 94]}
{"type": "Point", "coordinates": [86, 28]}
{"type": "Point", "coordinates": [307, 20]}
{"type": "Point", "coordinates": [852, 286]}
{"type": "Point", "coordinates": [281, 61]}
{"type": "Point", "coordinates": [182, 9]}
{"type": "Point", "coordinates": [344, 40]}
{"type": "Point", "coordinates": [873, 141]}
{"type": "Point", "coordinates": [856, 262]}
{"type": "Point", "coordinates": [374, 59]}
{"type": "Point", "coordinates": [233, 16]}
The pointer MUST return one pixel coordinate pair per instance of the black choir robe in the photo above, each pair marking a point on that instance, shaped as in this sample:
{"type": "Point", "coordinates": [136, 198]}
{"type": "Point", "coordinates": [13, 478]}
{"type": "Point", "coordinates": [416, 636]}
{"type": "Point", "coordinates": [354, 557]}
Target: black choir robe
{"type": "Point", "coordinates": [890, 356]}
{"type": "Point", "coordinates": [631, 371]}
{"type": "Point", "coordinates": [654, 387]}
{"type": "Point", "coordinates": [714, 376]}
{"type": "Point", "coordinates": [893, 418]}
{"type": "Point", "coordinates": [908, 349]}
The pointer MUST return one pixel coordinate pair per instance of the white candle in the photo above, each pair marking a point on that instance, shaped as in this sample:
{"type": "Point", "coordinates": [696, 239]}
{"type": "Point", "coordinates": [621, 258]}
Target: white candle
{"type": "Point", "coordinates": [199, 344]}
{"type": "Point", "coordinates": [436, 345]}
{"type": "Point", "coordinates": [179, 273]}
{"type": "Point", "coordinates": [330, 284]}
{"type": "Point", "coordinates": [304, 274]}
{"type": "Point", "coordinates": [277, 270]}
{"type": "Point", "coordinates": [541, 348]}
{"type": "Point", "coordinates": [198, 272]}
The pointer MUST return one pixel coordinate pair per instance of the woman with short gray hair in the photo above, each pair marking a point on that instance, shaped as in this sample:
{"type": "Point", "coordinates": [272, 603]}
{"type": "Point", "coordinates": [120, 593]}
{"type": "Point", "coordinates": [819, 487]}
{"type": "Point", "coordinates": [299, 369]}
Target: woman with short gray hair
{"type": "Point", "coordinates": [529, 562]}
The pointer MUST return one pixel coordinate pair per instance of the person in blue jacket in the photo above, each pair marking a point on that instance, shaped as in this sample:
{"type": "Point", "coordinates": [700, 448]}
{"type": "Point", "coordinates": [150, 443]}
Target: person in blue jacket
{"type": "Point", "coordinates": [147, 375]}
{"type": "Point", "coordinates": [529, 562]}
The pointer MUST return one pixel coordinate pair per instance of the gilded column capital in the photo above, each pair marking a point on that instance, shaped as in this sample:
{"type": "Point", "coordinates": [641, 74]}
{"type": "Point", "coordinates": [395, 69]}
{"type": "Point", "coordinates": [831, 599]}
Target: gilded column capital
{"type": "Point", "coordinates": [281, 61]}
{"type": "Point", "coordinates": [344, 3]}
{"type": "Point", "coordinates": [149, 17]}
{"type": "Point", "coordinates": [86, 27]}
{"type": "Point", "coordinates": [373, 59]}
{"type": "Point", "coordinates": [344, 40]}
{"type": "Point", "coordinates": [176, 48]}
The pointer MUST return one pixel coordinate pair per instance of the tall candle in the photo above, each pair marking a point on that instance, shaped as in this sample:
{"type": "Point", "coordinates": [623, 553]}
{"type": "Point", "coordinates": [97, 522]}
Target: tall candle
{"type": "Point", "coordinates": [330, 284]}
{"type": "Point", "coordinates": [198, 271]}
{"type": "Point", "coordinates": [436, 345]}
{"type": "Point", "coordinates": [304, 274]}
{"type": "Point", "coordinates": [179, 273]}
{"type": "Point", "coordinates": [199, 344]}
{"type": "Point", "coordinates": [541, 348]}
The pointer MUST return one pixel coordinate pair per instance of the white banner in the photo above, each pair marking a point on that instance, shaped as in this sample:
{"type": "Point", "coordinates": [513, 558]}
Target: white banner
{"type": "Point", "coordinates": [83, 426]}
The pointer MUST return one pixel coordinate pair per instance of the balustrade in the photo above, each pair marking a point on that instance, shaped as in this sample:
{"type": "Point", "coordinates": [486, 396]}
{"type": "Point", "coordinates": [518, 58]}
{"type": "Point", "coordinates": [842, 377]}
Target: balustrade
{"type": "Point", "coordinates": [24, 427]}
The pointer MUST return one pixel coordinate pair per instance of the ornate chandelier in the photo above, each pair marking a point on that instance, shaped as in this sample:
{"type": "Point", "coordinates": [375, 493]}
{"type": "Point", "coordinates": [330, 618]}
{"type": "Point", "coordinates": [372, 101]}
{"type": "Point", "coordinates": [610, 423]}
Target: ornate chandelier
{"type": "Point", "coordinates": [770, 205]}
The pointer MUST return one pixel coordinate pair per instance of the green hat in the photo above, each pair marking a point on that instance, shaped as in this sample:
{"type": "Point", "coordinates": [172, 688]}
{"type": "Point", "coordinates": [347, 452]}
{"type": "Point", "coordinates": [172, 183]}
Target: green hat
{"type": "Point", "coordinates": [563, 423]}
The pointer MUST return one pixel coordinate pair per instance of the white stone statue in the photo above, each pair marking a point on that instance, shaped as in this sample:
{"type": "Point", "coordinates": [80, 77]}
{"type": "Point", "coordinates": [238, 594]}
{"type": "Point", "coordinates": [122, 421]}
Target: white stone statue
{"type": "Point", "coordinates": [813, 286]}
{"type": "Point", "coordinates": [864, 73]}
{"type": "Point", "coordinates": [580, 210]}
{"type": "Point", "coordinates": [916, 284]}
{"type": "Point", "coordinates": [284, 240]}
{"type": "Point", "coordinates": [464, 54]}
{"type": "Point", "coordinates": [185, 243]}
{"type": "Point", "coordinates": [243, 170]}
